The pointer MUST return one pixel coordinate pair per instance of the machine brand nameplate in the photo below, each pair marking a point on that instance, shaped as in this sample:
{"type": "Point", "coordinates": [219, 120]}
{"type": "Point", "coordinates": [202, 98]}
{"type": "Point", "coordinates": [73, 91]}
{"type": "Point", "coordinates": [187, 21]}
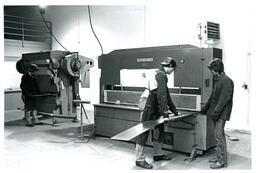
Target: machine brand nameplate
{"type": "Point", "coordinates": [145, 59]}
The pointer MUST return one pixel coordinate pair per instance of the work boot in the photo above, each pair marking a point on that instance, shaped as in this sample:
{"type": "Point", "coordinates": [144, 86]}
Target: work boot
{"type": "Point", "coordinates": [144, 164]}
{"type": "Point", "coordinates": [34, 116]}
{"type": "Point", "coordinates": [35, 119]}
{"type": "Point", "coordinates": [30, 125]}
{"type": "Point", "coordinates": [213, 159]}
{"type": "Point", "coordinates": [162, 157]}
{"type": "Point", "coordinates": [218, 165]}
{"type": "Point", "coordinates": [29, 122]}
{"type": "Point", "coordinates": [39, 123]}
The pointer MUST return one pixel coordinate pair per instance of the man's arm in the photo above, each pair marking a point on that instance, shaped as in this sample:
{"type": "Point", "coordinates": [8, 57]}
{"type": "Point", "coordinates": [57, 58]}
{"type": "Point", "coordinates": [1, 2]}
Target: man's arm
{"type": "Point", "coordinates": [24, 86]}
{"type": "Point", "coordinates": [226, 95]}
{"type": "Point", "coordinates": [171, 105]}
{"type": "Point", "coordinates": [207, 105]}
{"type": "Point", "coordinates": [162, 93]}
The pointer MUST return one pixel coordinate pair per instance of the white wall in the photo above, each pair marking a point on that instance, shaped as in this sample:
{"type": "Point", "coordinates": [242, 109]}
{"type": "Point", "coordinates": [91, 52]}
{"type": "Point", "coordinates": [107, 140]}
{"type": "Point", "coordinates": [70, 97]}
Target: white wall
{"type": "Point", "coordinates": [13, 50]}
{"type": "Point", "coordinates": [116, 27]}
{"type": "Point", "coordinates": [154, 25]}
{"type": "Point", "coordinates": [12, 80]}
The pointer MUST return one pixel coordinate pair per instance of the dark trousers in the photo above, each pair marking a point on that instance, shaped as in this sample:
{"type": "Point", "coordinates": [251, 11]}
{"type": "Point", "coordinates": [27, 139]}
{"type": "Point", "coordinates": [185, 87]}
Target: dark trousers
{"type": "Point", "coordinates": [221, 145]}
{"type": "Point", "coordinates": [30, 109]}
{"type": "Point", "coordinates": [151, 112]}
{"type": "Point", "coordinates": [30, 103]}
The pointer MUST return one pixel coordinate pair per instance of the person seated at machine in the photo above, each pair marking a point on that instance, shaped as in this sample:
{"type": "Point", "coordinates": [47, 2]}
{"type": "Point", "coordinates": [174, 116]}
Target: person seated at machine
{"type": "Point", "coordinates": [30, 89]}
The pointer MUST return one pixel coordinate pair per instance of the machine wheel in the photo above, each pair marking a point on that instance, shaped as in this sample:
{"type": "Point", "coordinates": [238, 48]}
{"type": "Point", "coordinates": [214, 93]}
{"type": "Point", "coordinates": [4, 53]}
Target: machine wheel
{"type": "Point", "coordinates": [20, 66]}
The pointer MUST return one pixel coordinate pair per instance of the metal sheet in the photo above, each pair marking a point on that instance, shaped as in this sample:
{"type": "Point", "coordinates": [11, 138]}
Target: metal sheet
{"type": "Point", "coordinates": [135, 131]}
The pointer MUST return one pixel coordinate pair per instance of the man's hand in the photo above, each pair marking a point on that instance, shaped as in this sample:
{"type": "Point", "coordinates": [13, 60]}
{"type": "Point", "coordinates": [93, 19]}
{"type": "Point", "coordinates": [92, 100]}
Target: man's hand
{"type": "Point", "coordinates": [214, 116]}
{"type": "Point", "coordinates": [177, 114]}
{"type": "Point", "coordinates": [203, 110]}
{"type": "Point", "coordinates": [165, 114]}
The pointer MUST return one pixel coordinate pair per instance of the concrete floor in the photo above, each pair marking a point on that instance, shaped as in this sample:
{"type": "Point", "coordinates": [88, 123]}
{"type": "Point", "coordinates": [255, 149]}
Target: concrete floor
{"type": "Point", "coordinates": [46, 148]}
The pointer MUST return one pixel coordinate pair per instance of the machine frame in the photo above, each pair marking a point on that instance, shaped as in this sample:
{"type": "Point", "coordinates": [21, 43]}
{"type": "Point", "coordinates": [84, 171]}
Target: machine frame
{"type": "Point", "coordinates": [192, 87]}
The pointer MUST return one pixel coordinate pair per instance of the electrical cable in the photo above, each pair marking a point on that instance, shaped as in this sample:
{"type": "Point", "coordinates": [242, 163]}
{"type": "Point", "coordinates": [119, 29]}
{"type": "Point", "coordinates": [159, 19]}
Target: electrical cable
{"type": "Point", "coordinates": [90, 19]}
{"type": "Point", "coordinates": [52, 33]}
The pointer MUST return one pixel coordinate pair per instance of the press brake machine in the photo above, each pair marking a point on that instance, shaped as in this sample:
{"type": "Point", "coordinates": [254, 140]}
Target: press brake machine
{"type": "Point", "coordinates": [118, 108]}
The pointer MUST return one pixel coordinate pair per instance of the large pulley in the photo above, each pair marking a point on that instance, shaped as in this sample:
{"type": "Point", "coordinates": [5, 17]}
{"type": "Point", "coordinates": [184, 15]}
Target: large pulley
{"type": "Point", "coordinates": [77, 66]}
{"type": "Point", "coordinates": [71, 65]}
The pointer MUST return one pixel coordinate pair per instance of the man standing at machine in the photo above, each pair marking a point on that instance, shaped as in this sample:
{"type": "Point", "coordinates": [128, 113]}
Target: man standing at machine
{"type": "Point", "coordinates": [158, 103]}
{"type": "Point", "coordinates": [219, 107]}
{"type": "Point", "coordinates": [30, 89]}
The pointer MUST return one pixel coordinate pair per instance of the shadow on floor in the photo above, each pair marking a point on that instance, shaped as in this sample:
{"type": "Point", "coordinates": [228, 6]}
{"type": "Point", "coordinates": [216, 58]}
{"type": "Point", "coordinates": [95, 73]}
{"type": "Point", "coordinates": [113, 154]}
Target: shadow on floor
{"type": "Point", "coordinates": [19, 122]}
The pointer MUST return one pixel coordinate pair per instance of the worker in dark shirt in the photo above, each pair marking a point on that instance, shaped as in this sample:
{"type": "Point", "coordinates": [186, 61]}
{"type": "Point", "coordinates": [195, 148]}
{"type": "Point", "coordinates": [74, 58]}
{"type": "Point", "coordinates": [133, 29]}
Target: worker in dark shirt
{"type": "Point", "coordinates": [158, 104]}
{"type": "Point", "coordinates": [219, 107]}
{"type": "Point", "coordinates": [30, 89]}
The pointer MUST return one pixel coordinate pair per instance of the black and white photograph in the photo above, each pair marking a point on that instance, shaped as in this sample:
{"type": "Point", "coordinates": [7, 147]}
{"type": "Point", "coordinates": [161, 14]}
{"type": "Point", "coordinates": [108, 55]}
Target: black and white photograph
{"type": "Point", "coordinates": [111, 86]}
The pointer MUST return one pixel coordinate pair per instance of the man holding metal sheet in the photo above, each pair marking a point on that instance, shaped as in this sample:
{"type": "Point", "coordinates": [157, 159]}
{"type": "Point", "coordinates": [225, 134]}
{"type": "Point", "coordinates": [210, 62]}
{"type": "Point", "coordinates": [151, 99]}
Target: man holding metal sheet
{"type": "Point", "coordinates": [219, 107]}
{"type": "Point", "coordinates": [158, 103]}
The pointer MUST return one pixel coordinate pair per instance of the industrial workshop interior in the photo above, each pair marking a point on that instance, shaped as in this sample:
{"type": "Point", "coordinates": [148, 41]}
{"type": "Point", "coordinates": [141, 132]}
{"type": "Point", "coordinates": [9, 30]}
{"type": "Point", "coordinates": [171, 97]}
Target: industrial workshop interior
{"type": "Point", "coordinates": [95, 68]}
